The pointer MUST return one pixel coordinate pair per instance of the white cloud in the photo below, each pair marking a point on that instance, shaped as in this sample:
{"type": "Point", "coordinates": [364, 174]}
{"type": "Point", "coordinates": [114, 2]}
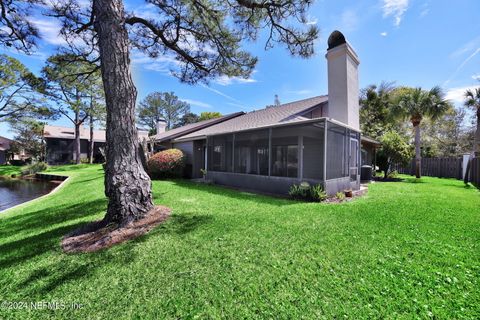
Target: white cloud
{"type": "Point", "coordinates": [384, 34]}
{"type": "Point", "coordinates": [460, 67]}
{"type": "Point", "coordinates": [49, 30]}
{"type": "Point", "coordinates": [197, 103]}
{"type": "Point", "coordinates": [311, 21]}
{"type": "Point", "coordinates": [396, 9]}
{"type": "Point", "coordinates": [476, 77]}
{"type": "Point", "coordinates": [300, 92]}
{"type": "Point", "coordinates": [226, 81]}
{"type": "Point", "coordinates": [220, 93]}
{"type": "Point", "coordinates": [348, 20]}
{"type": "Point", "coordinates": [458, 94]}
{"type": "Point", "coordinates": [468, 47]}
{"type": "Point", "coordinates": [163, 64]}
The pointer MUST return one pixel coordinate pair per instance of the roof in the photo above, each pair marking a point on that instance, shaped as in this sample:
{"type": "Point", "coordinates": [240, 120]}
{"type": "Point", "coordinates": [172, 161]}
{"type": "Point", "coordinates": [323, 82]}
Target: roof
{"type": "Point", "coordinates": [190, 128]}
{"type": "Point", "coordinates": [5, 143]}
{"type": "Point", "coordinates": [69, 133]}
{"type": "Point", "coordinates": [369, 140]}
{"type": "Point", "coordinates": [282, 114]}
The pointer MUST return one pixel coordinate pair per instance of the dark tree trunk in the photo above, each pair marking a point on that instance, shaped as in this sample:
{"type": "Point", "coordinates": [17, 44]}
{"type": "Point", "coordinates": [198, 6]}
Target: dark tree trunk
{"type": "Point", "coordinates": [418, 155]}
{"type": "Point", "coordinates": [91, 144]}
{"type": "Point", "coordinates": [77, 137]}
{"type": "Point", "coordinates": [476, 142]}
{"type": "Point", "coordinates": [127, 185]}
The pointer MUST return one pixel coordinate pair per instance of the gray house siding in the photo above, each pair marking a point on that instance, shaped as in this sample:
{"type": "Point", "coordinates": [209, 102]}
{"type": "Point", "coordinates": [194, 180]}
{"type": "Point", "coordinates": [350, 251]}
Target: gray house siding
{"type": "Point", "coordinates": [187, 149]}
{"type": "Point", "coordinates": [3, 157]}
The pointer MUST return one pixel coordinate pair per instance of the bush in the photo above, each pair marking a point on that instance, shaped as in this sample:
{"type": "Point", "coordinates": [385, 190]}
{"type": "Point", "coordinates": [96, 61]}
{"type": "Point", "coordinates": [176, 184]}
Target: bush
{"type": "Point", "coordinates": [166, 164]}
{"type": "Point", "coordinates": [34, 168]}
{"type": "Point", "coordinates": [306, 192]}
{"type": "Point", "coordinates": [340, 196]}
{"type": "Point", "coordinates": [393, 174]}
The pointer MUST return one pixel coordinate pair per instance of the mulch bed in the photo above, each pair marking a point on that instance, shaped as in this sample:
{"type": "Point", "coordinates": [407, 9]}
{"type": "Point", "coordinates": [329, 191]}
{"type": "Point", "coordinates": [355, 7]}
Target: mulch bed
{"type": "Point", "coordinates": [97, 235]}
{"type": "Point", "coordinates": [355, 194]}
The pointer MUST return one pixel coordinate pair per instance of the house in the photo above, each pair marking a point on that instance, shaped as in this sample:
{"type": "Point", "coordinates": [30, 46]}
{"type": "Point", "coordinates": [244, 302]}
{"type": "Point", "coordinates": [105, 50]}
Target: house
{"type": "Point", "coordinates": [60, 146]}
{"type": "Point", "coordinates": [4, 149]}
{"type": "Point", "coordinates": [315, 140]}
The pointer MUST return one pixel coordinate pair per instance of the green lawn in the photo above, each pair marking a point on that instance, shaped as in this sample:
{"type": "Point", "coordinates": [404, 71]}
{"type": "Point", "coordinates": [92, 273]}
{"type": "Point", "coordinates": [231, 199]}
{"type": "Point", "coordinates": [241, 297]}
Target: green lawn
{"type": "Point", "coordinates": [406, 250]}
{"type": "Point", "coordinates": [7, 170]}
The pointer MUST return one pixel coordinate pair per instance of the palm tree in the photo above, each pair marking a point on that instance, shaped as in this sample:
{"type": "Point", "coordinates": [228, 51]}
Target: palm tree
{"type": "Point", "coordinates": [416, 104]}
{"type": "Point", "coordinates": [472, 99]}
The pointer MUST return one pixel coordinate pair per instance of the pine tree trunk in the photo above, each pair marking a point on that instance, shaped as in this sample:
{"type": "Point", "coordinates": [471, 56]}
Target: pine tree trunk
{"type": "Point", "coordinates": [127, 185]}
{"type": "Point", "coordinates": [77, 137]}
{"type": "Point", "coordinates": [91, 146]}
{"type": "Point", "coordinates": [418, 155]}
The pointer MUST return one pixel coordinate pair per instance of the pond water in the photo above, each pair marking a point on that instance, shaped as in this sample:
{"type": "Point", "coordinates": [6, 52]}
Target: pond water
{"type": "Point", "coordinates": [16, 191]}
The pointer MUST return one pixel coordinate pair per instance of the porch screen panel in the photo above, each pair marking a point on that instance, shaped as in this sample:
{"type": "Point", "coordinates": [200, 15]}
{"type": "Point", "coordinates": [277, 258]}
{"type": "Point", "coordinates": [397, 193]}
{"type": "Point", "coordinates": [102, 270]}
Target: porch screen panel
{"type": "Point", "coordinates": [313, 150]}
{"type": "Point", "coordinates": [251, 152]}
{"type": "Point", "coordinates": [337, 151]}
{"type": "Point", "coordinates": [285, 152]}
{"type": "Point", "coordinates": [220, 152]}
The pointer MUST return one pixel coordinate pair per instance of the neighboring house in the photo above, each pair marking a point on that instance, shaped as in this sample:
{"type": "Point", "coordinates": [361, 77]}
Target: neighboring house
{"type": "Point", "coordinates": [315, 139]}
{"type": "Point", "coordinates": [4, 149]}
{"type": "Point", "coordinates": [60, 147]}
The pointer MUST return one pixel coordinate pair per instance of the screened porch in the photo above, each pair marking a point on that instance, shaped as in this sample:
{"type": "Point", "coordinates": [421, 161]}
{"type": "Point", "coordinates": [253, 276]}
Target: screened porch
{"type": "Point", "coordinates": [271, 159]}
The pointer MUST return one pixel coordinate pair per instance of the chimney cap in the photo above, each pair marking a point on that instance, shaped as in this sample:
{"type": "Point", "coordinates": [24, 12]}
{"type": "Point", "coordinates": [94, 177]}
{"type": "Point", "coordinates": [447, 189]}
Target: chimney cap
{"type": "Point", "coordinates": [336, 39]}
{"type": "Point", "coordinates": [161, 120]}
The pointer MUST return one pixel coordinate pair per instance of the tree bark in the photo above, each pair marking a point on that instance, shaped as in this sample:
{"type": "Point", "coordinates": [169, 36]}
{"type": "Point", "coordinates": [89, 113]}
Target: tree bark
{"type": "Point", "coordinates": [92, 143]}
{"type": "Point", "coordinates": [418, 155]}
{"type": "Point", "coordinates": [77, 137]}
{"type": "Point", "coordinates": [127, 185]}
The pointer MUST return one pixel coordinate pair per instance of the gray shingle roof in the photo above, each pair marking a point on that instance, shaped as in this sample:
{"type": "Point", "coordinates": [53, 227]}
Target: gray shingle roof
{"type": "Point", "coordinates": [285, 113]}
{"type": "Point", "coordinates": [190, 128]}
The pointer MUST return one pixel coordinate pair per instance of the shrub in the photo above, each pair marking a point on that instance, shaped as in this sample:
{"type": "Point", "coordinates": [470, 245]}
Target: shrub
{"type": "Point", "coordinates": [307, 193]}
{"type": "Point", "coordinates": [34, 168]}
{"type": "Point", "coordinates": [166, 164]}
{"type": "Point", "coordinates": [340, 196]}
{"type": "Point", "coordinates": [317, 193]}
{"type": "Point", "coordinates": [393, 174]}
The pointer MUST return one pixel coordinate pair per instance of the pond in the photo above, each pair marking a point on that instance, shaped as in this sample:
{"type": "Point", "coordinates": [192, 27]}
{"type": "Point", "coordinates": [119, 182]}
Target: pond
{"type": "Point", "coordinates": [16, 191]}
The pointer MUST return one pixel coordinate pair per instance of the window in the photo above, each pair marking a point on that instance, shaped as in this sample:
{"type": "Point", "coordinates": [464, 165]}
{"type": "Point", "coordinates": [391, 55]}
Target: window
{"type": "Point", "coordinates": [284, 160]}
{"type": "Point", "coordinates": [220, 153]}
{"type": "Point", "coordinates": [313, 150]}
{"type": "Point", "coordinates": [251, 152]}
{"type": "Point", "coordinates": [337, 151]}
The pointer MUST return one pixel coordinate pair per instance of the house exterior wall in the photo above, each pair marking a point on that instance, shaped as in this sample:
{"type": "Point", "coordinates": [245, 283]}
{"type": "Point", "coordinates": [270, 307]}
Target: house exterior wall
{"type": "Point", "coordinates": [187, 149]}
{"type": "Point", "coordinates": [3, 158]}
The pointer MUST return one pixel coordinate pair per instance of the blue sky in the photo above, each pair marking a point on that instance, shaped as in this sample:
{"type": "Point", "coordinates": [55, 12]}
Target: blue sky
{"type": "Point", "coordinates": [412, 42]}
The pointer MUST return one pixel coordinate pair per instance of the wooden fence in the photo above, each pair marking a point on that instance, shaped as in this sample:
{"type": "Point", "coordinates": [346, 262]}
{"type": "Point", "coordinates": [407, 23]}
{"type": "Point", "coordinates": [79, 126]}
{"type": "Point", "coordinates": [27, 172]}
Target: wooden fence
{"type": "Point", "coordinates": [436, 167]}
{"type": "Point", "coordinates": [475, 173]}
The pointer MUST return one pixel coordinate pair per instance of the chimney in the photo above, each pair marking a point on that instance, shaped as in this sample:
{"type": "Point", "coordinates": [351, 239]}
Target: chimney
{"type": "Point", "coordinates": [161, 125]}
{"type": "Point", "coordinates": [343, 91]}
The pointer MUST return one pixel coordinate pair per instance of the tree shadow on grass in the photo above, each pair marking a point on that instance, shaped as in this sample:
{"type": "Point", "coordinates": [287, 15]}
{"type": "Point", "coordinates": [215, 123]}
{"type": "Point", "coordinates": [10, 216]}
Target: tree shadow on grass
{"type": "Point", "coordinates": [41, 219]}
{"type": "Point", "coordinates": [66, 268]}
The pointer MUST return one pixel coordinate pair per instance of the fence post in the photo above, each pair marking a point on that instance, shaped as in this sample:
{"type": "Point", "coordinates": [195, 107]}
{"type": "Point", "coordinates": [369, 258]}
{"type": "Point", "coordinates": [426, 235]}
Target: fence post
{"type": "Point", "coordinates": [466, 158]}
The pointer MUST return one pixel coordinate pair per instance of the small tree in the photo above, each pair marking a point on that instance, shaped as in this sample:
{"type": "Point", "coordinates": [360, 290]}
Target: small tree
{"type": "Point", "coordinates": [394, 150]}
{"type": "Point", "coordinates": [158, 105]}
{"type": "Point", "coordinates": [375, 104]}
{"type": "Point", "coordinates": [28, 137]}
{"type": "Point", "coordinates": [207, 115]}
{"type": "Point", "coordinates": [416, 104]}
{"type": "Point", "coordinates": [472, 99]}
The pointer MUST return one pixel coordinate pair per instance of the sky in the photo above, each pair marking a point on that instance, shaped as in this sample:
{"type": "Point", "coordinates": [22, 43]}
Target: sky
{"type": "Point", "coordinates": [418, 43]}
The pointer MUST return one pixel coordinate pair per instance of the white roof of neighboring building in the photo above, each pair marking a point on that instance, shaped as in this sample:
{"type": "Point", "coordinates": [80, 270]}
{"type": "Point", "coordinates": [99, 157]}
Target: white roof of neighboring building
{"type": "Point", "coordinates": [69, 133]}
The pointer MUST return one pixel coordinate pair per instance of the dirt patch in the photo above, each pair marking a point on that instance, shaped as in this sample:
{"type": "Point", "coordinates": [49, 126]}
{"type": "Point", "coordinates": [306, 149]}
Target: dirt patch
{"type": "Point", "coordinates": [97, 235]}
{"type": "Point", "coordinates": [355, 194]}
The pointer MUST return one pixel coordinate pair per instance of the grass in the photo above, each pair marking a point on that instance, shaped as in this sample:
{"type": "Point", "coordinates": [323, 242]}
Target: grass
{"type": "Point", "coordinates": [8, 170]}
{"type": "Point", "coordinates": [406, 250]}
